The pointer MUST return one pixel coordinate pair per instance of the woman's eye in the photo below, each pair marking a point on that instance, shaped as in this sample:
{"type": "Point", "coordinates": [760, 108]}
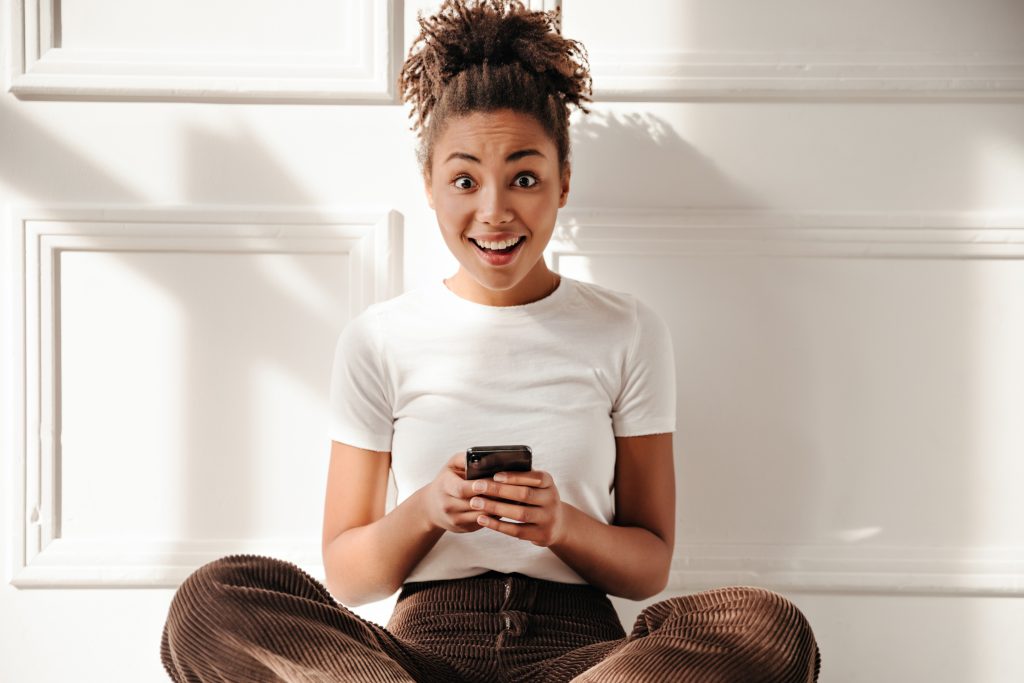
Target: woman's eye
{"type": "Point", "coordinates": [517, 181]}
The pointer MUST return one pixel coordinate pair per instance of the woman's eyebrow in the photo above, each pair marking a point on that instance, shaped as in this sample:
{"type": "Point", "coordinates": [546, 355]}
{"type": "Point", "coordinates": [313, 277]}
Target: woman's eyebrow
{"type": "Point", "coordinates": [514, 156]}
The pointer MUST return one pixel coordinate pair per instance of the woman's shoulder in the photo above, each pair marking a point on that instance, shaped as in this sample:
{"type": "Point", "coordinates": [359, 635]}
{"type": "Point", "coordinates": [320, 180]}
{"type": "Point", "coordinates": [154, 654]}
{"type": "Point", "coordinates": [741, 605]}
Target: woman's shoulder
{"type": "Point", "coordinates": [605, 300]}
{"type": "Point", "coordinates": [612, 306]}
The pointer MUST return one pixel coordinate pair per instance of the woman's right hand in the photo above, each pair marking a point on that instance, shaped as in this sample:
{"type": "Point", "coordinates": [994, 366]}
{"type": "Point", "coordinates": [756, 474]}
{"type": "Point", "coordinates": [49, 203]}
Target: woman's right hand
{"type": "Point", "coordinates": [447, 498]}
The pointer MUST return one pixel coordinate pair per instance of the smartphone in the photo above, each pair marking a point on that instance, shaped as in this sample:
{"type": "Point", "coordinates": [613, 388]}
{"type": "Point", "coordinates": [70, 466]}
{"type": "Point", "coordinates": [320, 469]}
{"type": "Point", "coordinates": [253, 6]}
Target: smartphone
{"type": "Point", "coordinates": [485, 461]}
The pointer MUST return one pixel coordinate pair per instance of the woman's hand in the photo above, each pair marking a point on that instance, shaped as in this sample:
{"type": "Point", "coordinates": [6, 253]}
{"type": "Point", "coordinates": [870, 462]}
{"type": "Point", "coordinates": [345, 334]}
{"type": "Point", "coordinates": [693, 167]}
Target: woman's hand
{"type": "Point", "coordinates": [447, 498]}
{"type": "Point", "coordinates": [530, 498]}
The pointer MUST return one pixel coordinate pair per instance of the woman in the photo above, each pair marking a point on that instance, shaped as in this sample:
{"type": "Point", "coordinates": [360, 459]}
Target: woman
{"type": "Point", "coordinates": [505, 577]}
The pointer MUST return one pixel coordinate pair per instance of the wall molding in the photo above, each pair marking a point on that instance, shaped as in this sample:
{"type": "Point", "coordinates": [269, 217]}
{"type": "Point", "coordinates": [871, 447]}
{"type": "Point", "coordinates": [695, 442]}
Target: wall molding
{"type": "Point", "coordinates": [142, 563]}
{"type": "Point", "coordinates": [850, 569]}
{"type": "Point", "coordinates": [659, 233]}
{"type": "Point", "coordinates": [36, 237]}
{"type": "Point", "coordinates": [671, 234]}
{"type": "Point", "coordinates": [364, 71]}
{"type": "Point", "coordinates": [621, 75]}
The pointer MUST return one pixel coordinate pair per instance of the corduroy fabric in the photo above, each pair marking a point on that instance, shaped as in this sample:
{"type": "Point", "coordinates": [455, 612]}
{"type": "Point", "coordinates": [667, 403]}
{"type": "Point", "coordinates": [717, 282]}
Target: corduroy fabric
{"type": "Point", "coordinates": [252, 618]}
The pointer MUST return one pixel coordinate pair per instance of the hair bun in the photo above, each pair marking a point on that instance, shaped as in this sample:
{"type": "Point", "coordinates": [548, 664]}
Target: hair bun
{"type": "Point", "coordinates": [482, 36]}
{"type": "Point", "coordinates": [464, 34]}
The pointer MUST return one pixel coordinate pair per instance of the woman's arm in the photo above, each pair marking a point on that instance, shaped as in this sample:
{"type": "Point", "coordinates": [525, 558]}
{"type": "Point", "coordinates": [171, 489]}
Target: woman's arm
{"type": "Point", "coordinates": [631, 557]}
{"type": "Point", "coordinates": [367, 554]}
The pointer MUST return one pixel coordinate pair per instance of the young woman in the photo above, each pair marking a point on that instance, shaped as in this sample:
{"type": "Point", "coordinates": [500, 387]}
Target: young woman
{"type": "Point", "coordinates": [505, 577]}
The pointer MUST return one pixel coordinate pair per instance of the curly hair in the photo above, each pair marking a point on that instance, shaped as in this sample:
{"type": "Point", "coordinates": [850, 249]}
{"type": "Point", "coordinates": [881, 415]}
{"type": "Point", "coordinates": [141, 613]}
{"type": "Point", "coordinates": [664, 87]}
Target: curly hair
{"type": "Point", "coordinates": [485, 55]}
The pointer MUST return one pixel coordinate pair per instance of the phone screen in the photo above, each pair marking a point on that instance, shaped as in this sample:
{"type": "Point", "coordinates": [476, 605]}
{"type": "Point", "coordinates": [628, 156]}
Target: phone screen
{"type": "Point", "coordinates": [486, 461]}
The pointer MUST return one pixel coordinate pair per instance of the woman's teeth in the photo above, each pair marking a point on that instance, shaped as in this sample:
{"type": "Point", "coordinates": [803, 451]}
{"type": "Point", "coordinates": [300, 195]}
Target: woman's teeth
{"type": "Point", "coordinates": [495, 246]}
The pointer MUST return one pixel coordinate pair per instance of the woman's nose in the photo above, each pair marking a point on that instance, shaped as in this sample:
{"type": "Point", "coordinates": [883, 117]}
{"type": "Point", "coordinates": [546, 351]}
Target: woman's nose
{"type": "Point", "coordinates": [494, 206]}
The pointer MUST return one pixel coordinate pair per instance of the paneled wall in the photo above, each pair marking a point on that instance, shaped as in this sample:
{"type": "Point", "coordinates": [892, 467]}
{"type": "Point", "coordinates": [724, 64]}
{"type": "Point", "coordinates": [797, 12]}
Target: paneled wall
{"type": "Point", "coordinates": [824, 200]}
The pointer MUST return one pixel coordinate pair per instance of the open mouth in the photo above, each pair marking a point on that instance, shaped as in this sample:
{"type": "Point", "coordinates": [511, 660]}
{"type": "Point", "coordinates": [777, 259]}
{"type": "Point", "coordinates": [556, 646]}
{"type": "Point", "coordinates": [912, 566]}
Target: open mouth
{"type": "Point", "coordinates": [507, 250]}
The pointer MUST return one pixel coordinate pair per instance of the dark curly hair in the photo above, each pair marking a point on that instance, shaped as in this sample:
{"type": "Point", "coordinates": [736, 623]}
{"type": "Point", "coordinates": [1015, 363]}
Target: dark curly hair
{"type": "Point", "coordinates": [485, 55]}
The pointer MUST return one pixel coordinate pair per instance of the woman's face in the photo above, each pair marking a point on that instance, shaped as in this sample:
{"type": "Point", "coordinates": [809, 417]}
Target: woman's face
{"type": "Point", "coordinates": [495, 177]}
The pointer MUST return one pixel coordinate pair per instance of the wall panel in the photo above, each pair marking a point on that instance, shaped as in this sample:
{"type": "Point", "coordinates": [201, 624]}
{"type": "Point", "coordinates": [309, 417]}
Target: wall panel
{"type": "Point", "coordinates": [314, 50]}
{"type": "Point", "coordinates": [189, 325]}
{"type": "Point", "coordinates": [828, 366]}
{"type": "Point", "coordinates": [734, 49]}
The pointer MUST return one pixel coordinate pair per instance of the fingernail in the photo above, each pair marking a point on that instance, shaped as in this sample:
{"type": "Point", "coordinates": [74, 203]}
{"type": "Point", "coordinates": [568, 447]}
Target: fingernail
{"type": "Point", "coordinates": [500, 476]}
{"type": "Point", "coordinates": [479, 486]}
{"type": "Point", "coordinates": [476, 503]}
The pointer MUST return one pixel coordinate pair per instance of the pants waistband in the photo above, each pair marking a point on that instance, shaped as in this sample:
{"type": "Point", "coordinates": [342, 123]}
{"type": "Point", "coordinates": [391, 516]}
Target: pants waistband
{"type": "Point", "coordinates": [496, 591]}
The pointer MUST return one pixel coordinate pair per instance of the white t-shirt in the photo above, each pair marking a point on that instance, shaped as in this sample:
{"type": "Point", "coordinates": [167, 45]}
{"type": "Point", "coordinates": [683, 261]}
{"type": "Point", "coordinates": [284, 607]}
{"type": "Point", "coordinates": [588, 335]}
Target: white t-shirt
{"type": "Point", "coordinates": [427, 374]}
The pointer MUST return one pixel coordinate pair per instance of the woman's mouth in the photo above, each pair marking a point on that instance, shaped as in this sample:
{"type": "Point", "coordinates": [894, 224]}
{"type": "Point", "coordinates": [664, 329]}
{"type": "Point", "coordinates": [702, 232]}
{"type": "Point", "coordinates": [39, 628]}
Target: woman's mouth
{"type": "Point", "coordinates": [499, 257]}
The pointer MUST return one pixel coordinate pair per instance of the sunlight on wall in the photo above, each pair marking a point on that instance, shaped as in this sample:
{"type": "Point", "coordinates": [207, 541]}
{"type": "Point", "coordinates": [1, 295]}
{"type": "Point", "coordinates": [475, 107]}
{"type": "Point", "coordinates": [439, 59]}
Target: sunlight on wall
{"type": "Point", "coordinates": [291, 276]}
{"type": "Point", "coordinates": [997, 327]}
{"type": "Point", "coordinates": [998, 173]}
{"type": "Point", "coordinates": [855, 535]}
{"type": "Point", "coordinates": [576, 267]}
{"type": "Point", "coordinates": [998, 387]}
{"type": "Point", "coordinates": [121, 340]}
{"type": "Point", "coordinates": [286, 485]}
{"type": "Point", "coordinates": [996, 428]}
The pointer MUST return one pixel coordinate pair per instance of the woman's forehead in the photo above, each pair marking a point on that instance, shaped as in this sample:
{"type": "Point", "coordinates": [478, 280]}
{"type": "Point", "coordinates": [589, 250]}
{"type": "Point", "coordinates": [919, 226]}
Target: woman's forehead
{"type": "Point", "coordinates": [494, 134]}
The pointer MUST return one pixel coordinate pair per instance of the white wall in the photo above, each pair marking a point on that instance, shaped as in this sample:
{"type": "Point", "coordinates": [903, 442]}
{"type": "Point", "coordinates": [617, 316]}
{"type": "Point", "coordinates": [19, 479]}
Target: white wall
{"type": "Point", "coordinates": [825, 200]}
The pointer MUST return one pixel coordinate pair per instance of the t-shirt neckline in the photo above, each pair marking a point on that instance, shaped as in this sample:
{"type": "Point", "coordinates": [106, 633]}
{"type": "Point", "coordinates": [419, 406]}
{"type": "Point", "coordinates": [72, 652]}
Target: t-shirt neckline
{"type": "Point", "coordinates": [549, 303]}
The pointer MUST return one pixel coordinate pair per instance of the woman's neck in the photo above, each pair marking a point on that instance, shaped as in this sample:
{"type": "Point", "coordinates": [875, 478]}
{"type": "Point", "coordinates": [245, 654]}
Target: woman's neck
{"type": "Point", "coordinates": [537, 285]}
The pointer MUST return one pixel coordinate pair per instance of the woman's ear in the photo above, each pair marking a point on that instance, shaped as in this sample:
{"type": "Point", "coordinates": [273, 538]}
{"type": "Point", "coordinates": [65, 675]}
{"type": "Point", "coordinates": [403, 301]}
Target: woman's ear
{"type": "Point", "coordinates": [565, 186]}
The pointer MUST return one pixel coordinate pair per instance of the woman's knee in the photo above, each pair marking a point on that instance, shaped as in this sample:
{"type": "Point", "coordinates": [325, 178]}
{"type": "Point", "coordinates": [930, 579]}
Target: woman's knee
{"type": "Point", "coordinates": [206, 591]}
{"type": "Point", "coordinates": [202, 590]}
{"type": "Point", "coordinates": [754, 609]}
{"type": "Point", "coordinates": [198, 614]}
{"type": "Point", "coordinates": [756, 624]}
{"type": "Point", "coordinates": [775, 631]}
{"type": "Point", "coordinates": [772, 611]}
{"type": "Point", "coordinates": [208, 581]}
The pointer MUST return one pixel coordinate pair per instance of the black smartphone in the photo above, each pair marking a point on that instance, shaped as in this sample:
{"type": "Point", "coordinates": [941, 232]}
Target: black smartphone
{"type": "Point", "coordinates": [485, 461]}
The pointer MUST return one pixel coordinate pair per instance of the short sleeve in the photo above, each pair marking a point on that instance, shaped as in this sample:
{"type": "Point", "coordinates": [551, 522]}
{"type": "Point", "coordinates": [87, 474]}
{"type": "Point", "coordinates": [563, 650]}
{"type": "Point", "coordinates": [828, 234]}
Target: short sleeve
{"type": "Point", "coordinates": [646, 403]}
{"type": "Point", "coordinates": [360, 410]}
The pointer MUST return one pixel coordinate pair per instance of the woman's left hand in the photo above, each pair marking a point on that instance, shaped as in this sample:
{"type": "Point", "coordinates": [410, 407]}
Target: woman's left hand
{"type": "Point", "coordinates": [537, 509]}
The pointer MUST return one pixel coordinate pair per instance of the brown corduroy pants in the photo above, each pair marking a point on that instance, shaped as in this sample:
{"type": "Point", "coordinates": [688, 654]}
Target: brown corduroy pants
{"type": "Point", "coordinates": [252, 618]}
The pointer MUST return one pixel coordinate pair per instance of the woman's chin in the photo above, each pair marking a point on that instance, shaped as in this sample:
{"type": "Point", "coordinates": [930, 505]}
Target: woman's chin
{"type": "Point", "coordinates": [499, 282]}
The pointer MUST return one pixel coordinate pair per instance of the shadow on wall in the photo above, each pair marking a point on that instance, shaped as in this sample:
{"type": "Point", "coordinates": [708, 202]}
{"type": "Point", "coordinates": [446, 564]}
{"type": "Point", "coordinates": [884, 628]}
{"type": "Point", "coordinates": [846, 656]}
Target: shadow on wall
{"type": "Point", "coordinates": [637, 160]}
{"type": "Point", "coordinates": [720, 312]}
